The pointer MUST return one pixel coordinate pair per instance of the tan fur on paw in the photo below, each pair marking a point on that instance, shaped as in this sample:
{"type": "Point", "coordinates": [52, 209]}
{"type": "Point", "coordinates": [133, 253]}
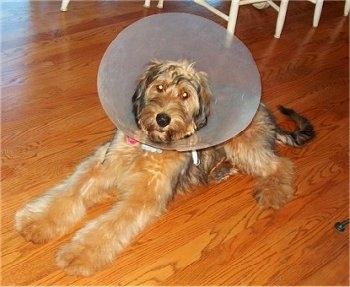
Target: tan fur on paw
{"type": "Point", "coordinates": [79, 260]}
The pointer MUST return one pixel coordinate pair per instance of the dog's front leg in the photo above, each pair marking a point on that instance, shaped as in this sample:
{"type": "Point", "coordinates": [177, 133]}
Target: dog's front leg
{"type": "Point", "coordinates": [97, 244]}
{"type": "Point", "coordinates": [53, 213]}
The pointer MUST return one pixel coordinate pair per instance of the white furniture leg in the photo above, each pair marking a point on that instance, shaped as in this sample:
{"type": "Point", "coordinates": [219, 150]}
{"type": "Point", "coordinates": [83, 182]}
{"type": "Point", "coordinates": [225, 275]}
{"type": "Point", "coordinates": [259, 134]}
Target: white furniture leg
{"type": "Point", "coordinates": [64, 5]}
{"type": "Point", "coordinates": [347, 7]}
{"type": "Point", "coordinates": [232, 18]}
{"type": "Point", "coordinates": [160, 4]}
{"type": "Point", "coordinates": [317, 12]}
{"type": "Point", "coordinates": [282, 11]}
{"type": "Point", "coordinates": [260, 4]}
{"type": "Point", "coordinates": [147, 3]}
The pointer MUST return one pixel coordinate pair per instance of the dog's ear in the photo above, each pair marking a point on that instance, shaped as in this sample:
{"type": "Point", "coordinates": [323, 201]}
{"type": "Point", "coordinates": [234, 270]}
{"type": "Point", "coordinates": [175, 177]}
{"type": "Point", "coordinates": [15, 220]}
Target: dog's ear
{"type": "Point", "coordinates": [138, 99]}
{"type": "Point", "coordinates": [204, 96]}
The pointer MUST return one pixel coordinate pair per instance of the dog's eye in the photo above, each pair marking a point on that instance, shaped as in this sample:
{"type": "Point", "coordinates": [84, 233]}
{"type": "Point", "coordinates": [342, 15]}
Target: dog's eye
{"type": "Point", "coordinates": [185, 95]}
{"type": "Point", "coordinates": [160, 88]}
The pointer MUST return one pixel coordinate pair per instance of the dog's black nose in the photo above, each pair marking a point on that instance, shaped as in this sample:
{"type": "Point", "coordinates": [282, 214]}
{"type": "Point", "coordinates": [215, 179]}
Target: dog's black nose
{"type": "Point", "coordinates": [163, 120]}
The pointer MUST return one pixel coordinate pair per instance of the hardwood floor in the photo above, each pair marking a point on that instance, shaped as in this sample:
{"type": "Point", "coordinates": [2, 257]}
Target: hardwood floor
{"type": "Point", "coordinates": [217, 235]}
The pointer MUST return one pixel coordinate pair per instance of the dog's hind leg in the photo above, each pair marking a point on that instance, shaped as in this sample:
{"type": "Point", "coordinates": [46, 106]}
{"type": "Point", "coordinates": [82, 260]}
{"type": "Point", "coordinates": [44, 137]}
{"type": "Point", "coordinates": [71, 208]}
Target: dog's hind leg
{"type": "Point", "coordinates": [53, 213]}
{"type": "Point", "coordinates": [273, 174]}
{"type": "Point", "coordinates": [252, 152]}
{"type": "Point", "coordinates": [274, 183]}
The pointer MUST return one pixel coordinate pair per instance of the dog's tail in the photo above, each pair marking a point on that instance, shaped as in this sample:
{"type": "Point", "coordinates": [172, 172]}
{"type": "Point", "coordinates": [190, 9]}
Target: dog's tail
{"type": "Point", "coordinates": [303, 134]}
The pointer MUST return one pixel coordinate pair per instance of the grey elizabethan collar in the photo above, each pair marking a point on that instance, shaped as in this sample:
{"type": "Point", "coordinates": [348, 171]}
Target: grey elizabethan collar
{"type": "Point", "coordinates": [232, 73]}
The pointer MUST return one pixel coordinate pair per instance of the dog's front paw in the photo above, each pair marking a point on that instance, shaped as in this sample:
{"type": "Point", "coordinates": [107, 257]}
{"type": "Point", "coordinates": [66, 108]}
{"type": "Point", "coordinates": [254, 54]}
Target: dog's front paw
{"type": "Point", "coordinates": [36, 227]}
{"type": "Point", "coordinates": [81, 260]}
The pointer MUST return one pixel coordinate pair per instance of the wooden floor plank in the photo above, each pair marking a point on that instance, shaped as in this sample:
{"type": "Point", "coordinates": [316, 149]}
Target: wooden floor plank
{"type": "Point", "coordinates": [51, 118]}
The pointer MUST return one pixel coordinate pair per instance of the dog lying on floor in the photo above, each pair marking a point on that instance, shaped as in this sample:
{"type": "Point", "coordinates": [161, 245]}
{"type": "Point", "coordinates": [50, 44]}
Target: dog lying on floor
{"type": "Point", "coordinates": [172, 101]}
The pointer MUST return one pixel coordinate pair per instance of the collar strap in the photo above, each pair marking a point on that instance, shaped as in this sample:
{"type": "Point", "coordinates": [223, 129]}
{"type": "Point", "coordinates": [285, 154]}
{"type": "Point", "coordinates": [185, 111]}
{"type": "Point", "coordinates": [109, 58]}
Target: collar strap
{"type": "Point", "coordinates": [151, 148]}
{"type": "Point", "coordinates": [133, 142]}
{"type": "Point", "coordinates": [195, 158]}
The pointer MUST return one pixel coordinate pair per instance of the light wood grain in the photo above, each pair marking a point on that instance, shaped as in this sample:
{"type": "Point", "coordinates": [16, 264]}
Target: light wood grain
{"type": "Point", "coordinates": [52, 118]}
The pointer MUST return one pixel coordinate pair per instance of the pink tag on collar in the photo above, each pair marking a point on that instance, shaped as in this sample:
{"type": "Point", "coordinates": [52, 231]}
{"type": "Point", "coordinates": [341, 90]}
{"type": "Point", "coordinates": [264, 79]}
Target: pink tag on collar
{"type": "Point", "coordinates": [131, 141]}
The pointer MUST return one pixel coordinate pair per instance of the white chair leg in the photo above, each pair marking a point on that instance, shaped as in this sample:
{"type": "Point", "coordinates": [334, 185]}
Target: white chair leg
{"type": "Point", "coordinates": [160, 4]}
{"type": "Point", "coordinates": [64, 5]}
{"type": "Point", "coordinates": [147, 3]}
{"type": "Point", "coordinates": [347, 7]}
{"type": "Point", "coordinates": [317, 12]}
{"type": "Point", "coordinates": [232, 17]}
{"type": "Point", "coordinates": [281, 17]}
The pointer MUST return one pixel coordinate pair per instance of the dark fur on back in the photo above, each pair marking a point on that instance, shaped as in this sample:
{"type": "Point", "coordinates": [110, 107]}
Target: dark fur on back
{"type": "Point", "coordinates": [218, 166]}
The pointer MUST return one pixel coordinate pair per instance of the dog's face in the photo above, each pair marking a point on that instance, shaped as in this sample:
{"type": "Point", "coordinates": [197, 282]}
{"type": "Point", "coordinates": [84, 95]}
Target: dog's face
{"type": "Point", "coordinates": [171, 101]}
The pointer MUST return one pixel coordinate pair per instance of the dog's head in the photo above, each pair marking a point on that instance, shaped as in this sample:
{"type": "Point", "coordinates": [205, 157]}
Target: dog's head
{"type": "Point", "coordinates": [171, 101]}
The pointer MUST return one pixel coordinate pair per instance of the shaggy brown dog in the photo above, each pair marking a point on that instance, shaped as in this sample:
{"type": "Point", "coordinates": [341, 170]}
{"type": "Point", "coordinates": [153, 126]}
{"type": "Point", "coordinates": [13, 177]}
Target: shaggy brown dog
{"type": "Point", "coordinates": [172, 101]}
